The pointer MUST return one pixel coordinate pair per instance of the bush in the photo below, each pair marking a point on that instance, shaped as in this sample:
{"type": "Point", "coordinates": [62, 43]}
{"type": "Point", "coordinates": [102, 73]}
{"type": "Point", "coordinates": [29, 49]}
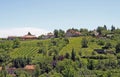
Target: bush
{"type": "Point", "coordinates": [84, 43]}
{"type": "Point", "coordinates": [117, 48]}
{"type": "Point", "coordinates": [100, 42]}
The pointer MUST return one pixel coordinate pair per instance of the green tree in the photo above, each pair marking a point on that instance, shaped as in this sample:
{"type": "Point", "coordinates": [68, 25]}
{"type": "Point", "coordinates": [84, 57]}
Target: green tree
{"type": "Point", "coordinates": [117, 48]}
{"type": "Point", "coordinates": [84, 31]}
{"type": "Point", "coordinates": [105, 27]}
{"type": "Point", "coordinates": [100, 29]}
{"type": "Point", "coordinates": [37, 71]}
{"type": "Point", "coordinates": [67, 55]}
{"type": "Point", "coordinates": [73, 55]}
{"type": "Point", "coordinates": [29, 33]}
{"type": "Point", "coordinates": [112, 28]}
{"type": "Point", "coordinates": [101, 42]}
{"type": "Point", "coordinates": [61, 33]}
{"type": "Point", "coordinates": [84, 43]}
{"type": "Point", "coordinates": [107, 45]}
{"type": "Point", "coordinates": [56, 33]}
{"type": "Point", "coordinates": [16, 43]}
{"type": "Point", "coordinates": [90, 64]}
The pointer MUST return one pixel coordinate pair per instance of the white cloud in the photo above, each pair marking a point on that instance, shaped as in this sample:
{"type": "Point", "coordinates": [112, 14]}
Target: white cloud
{"type": "Point", "coordinates": [21, 31]}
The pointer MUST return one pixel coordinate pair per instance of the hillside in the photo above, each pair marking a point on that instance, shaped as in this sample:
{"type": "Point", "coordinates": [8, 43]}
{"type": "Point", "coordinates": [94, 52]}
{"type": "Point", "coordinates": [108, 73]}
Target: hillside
{"type": "Point", "coordinates": [76, 56]}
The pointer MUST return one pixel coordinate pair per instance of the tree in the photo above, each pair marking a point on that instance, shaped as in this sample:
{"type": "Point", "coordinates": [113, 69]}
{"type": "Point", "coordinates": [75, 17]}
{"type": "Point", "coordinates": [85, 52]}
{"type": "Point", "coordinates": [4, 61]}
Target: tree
{"type": "Point", "coordinates": [16, 43]}
{"type": "Point", "coordinates": [100, 29]}
{"type": "Point", "coordinates": [21, 62]}
{"type": "Point", "coordinates": [105, 27]}
{"type": "Point", "coordinates": [101, 42]}
{"type": "Point", "coordinates": [117, 48]}
{"type": "Point", "coordinates": [37, 71]}
{"type": "Point", "coordinates": [41, 36]}
{"type": "Point", "coordinates": [112, 28]}
{"type": "Point", "coordinates": [84, 31]}
{"type": "Point", "coordinates": [66, 40]}
{"type": "Point", "coordinates": [90, 64]}
{"type": "Point", "coordinates": [61, 33]}
{"type": "Point", "coordinates": [67, 55]}
{"type": "Point", "coordinates": [56, 33]}
{"type": "Point", "coordinates": [84, 43]}
{"type": "Point", "coordinates": [29, 33]}
{"type": "Point", "coordinates": [4, 57]}
{"type": "Point", "coordinates": [73, 55]}
{"type": "Point", "coordinates": [107, 45]}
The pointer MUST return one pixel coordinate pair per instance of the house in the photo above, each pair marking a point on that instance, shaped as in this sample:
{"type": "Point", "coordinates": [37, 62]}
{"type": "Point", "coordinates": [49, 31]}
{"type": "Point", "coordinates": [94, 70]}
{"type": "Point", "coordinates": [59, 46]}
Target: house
{"type": "Point", "coordinates": [12, 37]}
{"type": "Point", "coordinates": [95, 33]}
{"type": "Point", "coordinates": [29, 36]}
{"type": "Point", "coordinates": [29, 67]}
{"type": "Point", "coordinates": [72, 33]}
{"type": "Point", "coordinates": [109, 35]}
{"type": "Point", "coordinates": [11, 71]}
{"type": "Point", "coordinates": [49, 35]}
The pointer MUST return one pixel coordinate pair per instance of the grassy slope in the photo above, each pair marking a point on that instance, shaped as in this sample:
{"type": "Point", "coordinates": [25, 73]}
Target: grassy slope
{"type": "Point", "coordinates": [76, 44]}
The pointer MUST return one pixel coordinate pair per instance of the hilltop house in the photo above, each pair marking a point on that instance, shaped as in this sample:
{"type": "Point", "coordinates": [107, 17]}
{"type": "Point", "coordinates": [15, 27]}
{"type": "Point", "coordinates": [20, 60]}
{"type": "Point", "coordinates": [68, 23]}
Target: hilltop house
{"type": "Point", "coordinates": [49, 35]}
{"type": "Point", "coordinates": [72, 33]}
{"type": "Point", "coordinates": [29, 36]}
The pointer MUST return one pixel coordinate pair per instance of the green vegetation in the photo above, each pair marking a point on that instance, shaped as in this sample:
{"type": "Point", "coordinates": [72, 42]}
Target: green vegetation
{"type": "Point", "coordinates": [83, 56]}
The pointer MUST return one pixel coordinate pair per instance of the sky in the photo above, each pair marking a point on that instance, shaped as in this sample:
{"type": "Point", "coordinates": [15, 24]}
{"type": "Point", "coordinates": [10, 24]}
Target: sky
{"type": "Point", "coordinates": [17, 17]}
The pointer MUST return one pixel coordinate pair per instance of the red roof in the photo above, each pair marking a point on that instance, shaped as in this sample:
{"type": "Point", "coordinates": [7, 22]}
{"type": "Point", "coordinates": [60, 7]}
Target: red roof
{"type": "Point", "coordinates": [29, 67]}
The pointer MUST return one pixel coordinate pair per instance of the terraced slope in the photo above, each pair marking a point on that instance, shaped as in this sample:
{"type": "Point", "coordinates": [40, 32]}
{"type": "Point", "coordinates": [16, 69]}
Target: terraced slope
{"type": "Point", "coordinates": [24, 52]}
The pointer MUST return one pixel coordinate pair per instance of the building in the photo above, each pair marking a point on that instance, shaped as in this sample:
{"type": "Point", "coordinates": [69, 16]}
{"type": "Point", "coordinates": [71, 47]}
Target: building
{"type": "Point", "coordinates": [29, 36]}
{"type": "Point", "coordinates": [11, 71]}
{"type": "Point", "coordinates": [72, 33]}
{"type": "Point", "coordinates": [95, 33]}
{"type": "Point", "coordinates": [12, 37]}
{"type": "Point", "coordinates": [29, 67]}
{"type": "Point", "coordinates": [48, 36]}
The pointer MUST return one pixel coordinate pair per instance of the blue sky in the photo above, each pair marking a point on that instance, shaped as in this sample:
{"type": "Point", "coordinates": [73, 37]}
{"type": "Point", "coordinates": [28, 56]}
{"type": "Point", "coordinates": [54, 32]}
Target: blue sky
{"type": "Point", "coordinates": [48, 15]}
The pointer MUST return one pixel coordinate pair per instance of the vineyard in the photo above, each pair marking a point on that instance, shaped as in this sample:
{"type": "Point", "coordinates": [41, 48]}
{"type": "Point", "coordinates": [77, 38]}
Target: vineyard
{"type": "Point", "coordinates": [24, 52]}
{"type": "Point", "coordinates": [27, 49]}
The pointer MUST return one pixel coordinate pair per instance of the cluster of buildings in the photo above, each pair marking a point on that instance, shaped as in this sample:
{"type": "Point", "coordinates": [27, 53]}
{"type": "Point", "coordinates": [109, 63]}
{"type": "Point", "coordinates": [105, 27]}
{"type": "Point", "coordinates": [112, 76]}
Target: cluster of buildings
{"type": "Point", "coordinates": [68, 33]}
{"type": "Point", "coordinates": [29, 36]}
{"type": "Point", "coordinates": [25, 37]}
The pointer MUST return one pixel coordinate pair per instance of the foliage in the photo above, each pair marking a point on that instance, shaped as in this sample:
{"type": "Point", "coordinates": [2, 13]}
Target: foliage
{"type": "Point", "coordinates": [117, 48]}
{"type": "Point", "coordinates": [107, 45]}
{"type": "Point", "coordinates": [21, 62]}
{"type": "Point", "coordinates": [73, 55]}
{"type": "Point", "coordinates": [16, 43]}
{"type": "Point", "coordinates": [84, 43]}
